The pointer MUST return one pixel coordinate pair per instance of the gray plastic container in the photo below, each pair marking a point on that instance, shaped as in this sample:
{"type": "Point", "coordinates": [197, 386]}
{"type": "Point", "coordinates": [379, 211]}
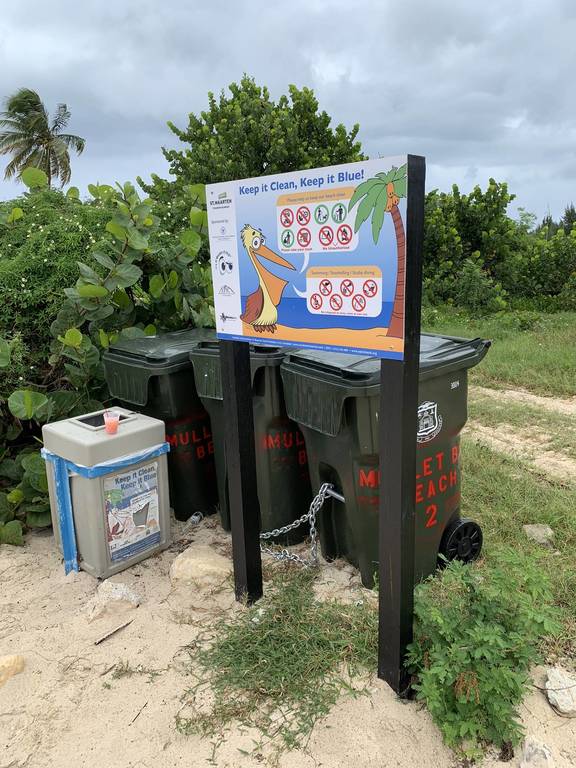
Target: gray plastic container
{"type": "Point", "coordinates": [120, 518]}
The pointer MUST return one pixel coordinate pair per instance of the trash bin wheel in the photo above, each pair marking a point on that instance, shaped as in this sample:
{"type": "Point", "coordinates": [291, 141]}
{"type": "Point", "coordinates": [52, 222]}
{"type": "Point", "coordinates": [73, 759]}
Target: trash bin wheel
{"type": "Point", "coordinates": [462, 540]}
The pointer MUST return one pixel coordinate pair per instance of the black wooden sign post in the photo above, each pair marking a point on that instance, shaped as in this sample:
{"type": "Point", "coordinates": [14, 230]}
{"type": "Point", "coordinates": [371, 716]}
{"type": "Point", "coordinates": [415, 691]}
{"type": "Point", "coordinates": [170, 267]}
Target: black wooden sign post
{"type": "Point", "coordinates": [398, 427]}
{"type": "Point", "coordinates": [241, 466]}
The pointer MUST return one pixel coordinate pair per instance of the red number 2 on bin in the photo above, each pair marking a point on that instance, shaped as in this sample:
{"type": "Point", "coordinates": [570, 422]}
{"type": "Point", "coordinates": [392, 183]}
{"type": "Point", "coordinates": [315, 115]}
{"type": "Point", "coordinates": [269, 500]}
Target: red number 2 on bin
{"type": "Point", "coordinates": [431, 510]}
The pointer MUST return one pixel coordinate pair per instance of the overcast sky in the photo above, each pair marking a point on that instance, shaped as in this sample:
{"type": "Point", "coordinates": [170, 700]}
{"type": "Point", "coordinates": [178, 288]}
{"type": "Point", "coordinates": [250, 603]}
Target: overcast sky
{"type": "Point", "coordinates": [480, 88]}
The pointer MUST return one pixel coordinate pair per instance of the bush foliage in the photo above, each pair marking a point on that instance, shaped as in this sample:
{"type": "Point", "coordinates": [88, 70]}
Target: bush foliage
{"type": "Point", "coordinates": [38, 258]}
{"type": "Point", "coordinates": [479, 258]}
{"type": "Point", "coordinates": [477, 632]}
{"type": "Point", "coordinates": [125, 281]}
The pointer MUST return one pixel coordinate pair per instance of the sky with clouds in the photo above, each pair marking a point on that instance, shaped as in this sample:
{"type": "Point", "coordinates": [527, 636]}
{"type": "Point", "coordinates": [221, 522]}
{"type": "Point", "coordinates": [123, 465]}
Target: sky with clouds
{"type": "Point", "coordinates": [480, 88]}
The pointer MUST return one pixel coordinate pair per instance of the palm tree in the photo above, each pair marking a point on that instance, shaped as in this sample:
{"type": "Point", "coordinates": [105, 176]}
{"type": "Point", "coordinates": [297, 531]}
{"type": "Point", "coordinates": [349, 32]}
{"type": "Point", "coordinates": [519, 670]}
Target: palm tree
{"type": "Point", "coordinates": [28, 135]}
{"type": "Point", "coordinates": [378, 196]}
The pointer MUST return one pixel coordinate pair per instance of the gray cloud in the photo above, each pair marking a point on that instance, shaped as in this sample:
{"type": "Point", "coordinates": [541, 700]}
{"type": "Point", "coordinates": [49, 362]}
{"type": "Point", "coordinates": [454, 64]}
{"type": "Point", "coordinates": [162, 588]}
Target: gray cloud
{"type": "Point", "coordinates": [480, 89]}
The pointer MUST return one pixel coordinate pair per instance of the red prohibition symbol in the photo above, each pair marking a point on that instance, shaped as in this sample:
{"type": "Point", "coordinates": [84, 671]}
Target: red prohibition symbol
{"type": "Point", "coordinates": [315, 301]}
{"type": "Point", "coordinates": [326, 235]}
{"type": "Point", "coordinates": [358, 303]}
{"type": "Point", "coordinates": [347, 287]}
{"type": "Point", "coordinates": [303, 215]}
{"type": "Point", "coordinates": [303, 237]}
{"type": "Point", "coordinates": [344, 234]}
{"type": "Point", "coordinates": [286, 217]}
{"type": "Point", "coordinates": [336, 302]}
{"type": "Point", "coordinates": [370, 288]}
{"type": "Point", "coordinates": [325, 287]}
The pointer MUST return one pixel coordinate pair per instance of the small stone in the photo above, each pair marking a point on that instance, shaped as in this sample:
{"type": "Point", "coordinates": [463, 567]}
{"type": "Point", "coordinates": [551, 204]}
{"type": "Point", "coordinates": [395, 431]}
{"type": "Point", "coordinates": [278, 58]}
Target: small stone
{"type": "Point", "coordinates": [536, 755]}
{"type": "Point", "coordinates": [541, 534]}
{"type": "Point", "coordinates": [201, 565]}
{"type": "Point", "coordinates": [561, 691]}
{"type": "Point", "coordinates": [10, 666]}
{"type": "Point", "coordinates": [112, 597]}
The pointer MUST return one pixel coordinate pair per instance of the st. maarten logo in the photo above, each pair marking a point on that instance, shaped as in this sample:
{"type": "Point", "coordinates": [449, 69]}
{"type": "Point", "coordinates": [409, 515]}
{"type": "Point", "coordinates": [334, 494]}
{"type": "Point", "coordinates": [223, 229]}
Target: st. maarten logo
{"type": "Point", "coordinates": [429, 421]}
{"type": "Point", "coordinates": [222, 200]}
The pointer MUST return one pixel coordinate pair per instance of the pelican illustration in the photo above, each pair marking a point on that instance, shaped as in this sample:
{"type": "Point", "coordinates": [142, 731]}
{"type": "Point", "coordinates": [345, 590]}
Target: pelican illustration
{"type": "Point", "coordinates": [260, 310]}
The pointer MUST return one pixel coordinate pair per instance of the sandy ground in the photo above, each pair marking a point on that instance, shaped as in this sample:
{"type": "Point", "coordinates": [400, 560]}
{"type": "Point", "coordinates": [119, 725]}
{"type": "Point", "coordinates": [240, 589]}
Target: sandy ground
{"type": "Point", "coordinates": [67, 708]}
{"type": "Point", "coordinates": [566, 406]}
{"type": "Point", "coordinates": [530, 444]}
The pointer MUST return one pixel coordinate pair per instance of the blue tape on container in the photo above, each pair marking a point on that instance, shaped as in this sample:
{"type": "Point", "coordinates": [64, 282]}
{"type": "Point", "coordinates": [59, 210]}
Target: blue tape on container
{"type": "Point", "coordinates": [62, 470]}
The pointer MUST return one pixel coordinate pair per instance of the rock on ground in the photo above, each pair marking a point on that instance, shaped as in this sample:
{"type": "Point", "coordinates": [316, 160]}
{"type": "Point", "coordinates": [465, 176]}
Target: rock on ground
{"type": "Point", "coordinates": [561, 691]}
{"type": "Point", "coordinates": [541, 534]}
{"type": "Point", "coordinates": [535, 754]}
{"type": "Point", "coordinates": [112, 597]}
{"type": "Point", "coordinates": [10, 666]}
{"type": "Point", "coordinates": [201, 565]}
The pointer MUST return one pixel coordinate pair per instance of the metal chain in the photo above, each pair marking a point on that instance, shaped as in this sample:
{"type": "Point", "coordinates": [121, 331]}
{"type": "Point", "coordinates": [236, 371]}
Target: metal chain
{"type": "Point", "coordinates": [284, 554]}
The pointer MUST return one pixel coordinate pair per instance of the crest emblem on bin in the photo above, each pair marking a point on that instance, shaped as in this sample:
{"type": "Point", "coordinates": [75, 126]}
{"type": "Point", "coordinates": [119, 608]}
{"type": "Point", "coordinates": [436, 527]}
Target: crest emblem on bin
{"type": "Point", "coordinates": [429, 421]}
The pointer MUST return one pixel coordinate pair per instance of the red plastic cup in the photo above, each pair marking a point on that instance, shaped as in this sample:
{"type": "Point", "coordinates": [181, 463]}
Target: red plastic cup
{"type": "Point", "coordinates": [111, 421]}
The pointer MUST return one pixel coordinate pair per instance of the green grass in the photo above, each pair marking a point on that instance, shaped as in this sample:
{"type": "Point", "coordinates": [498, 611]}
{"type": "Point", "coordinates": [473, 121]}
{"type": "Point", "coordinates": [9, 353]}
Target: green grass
{"type": "Point", "coordinates": [529, 350]}
{"type": "Point", "coordinates": [502, 494]}
{"type": "Point", "coordinates": [560, 428]}
{"type": "Point", "coordinates": [280, 665]}
{"type": "Point", "coordinates": [125, 669]}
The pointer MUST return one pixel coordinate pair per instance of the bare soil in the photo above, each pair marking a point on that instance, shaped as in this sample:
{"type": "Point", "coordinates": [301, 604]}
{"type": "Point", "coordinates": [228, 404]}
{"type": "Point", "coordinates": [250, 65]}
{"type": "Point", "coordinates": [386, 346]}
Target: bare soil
{"type": "Point", "coordinates": [530, 444]}
{"type": "Point", "coordinates": [566, 406]}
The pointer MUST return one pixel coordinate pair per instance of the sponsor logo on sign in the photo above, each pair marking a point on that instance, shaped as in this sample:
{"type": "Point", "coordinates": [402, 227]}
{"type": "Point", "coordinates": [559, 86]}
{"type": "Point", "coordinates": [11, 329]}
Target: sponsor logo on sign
{"type": "Point", "coordinates": [224, 263]}
{"type": "Point", "coordinates": [429, 421]}
{"type": "Point", "coordinates": [223, 200]}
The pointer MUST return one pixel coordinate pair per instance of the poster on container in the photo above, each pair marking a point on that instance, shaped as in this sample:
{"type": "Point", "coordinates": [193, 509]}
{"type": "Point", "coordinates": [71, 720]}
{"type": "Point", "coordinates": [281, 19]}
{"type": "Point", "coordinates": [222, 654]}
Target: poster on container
{"type": "Point", "coordinates": [132, 516]}
{"type": "Point", "coordinates": [312, 258]}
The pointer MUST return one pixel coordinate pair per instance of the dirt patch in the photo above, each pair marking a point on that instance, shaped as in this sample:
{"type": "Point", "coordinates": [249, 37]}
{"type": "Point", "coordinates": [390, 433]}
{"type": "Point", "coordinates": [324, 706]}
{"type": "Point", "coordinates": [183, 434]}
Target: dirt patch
{"type": "Point", "coordinates": [565, 406]}
{"type": "Point", "coordinates": [114, 704]}
{"type": "Point", "coordinates": [530, 444]}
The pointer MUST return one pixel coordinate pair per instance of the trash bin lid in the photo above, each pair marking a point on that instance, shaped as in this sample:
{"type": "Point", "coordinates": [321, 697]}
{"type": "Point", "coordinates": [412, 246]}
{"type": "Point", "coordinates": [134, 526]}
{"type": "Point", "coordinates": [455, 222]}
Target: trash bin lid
{"type": "Point", "coordinates": [166, 349]}
{"type": "Point", "coordinates": [438, 354]}
{"type": "Point", "coordinates": [129, 364]}
{"type": "Point", "coordinates": [205, 358]}
{"type": "Point", "coordinates": [317, 383]}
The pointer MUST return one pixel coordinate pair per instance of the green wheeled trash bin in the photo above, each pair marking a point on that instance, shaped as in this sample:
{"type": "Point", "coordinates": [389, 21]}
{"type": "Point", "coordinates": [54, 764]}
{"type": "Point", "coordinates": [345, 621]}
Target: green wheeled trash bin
{"type": "Point", "coordinates": [153, 375]}
{"type": "Point", "coordinates": [284, 490]}
{"type": "Point", "coordinates": [334, 398]}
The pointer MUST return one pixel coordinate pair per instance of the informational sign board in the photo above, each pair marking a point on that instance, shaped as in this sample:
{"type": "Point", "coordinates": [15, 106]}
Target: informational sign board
{"type": "Point", "coordinates": [313, 258]}
{"type": "Point", "coordinates": [132, 516]}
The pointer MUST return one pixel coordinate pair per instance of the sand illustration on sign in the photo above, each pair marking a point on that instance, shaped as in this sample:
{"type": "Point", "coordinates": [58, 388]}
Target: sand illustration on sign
{"type": "Point", "coordinates": [371, 338]}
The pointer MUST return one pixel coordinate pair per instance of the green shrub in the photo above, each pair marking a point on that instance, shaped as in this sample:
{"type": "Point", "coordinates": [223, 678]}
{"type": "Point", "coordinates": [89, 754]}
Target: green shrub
{"type": "Point", "coordinates": [567, 297]}
{"type": "Point", "coordinates": [131, 287]}
{"type": "Point", "coordinates": [468, 240]}
{"type": "Point", "coordinates": [472, 288]}
{"type": "Point", "coordinates": [477, 631]}
{"type": "Point", "coordinates": [476, 256]}
{"type": "Point", "coordinates": [38, 258]}
{"type": "Point", "coordinates": [543, 268]}
{"type": "Point", "coordinates": [129, 283]}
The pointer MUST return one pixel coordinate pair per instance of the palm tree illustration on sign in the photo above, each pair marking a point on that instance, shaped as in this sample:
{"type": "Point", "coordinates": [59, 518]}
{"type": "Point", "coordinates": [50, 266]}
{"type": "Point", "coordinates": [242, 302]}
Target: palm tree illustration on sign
{"type": "Point", "coordinates": [378, 196]}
